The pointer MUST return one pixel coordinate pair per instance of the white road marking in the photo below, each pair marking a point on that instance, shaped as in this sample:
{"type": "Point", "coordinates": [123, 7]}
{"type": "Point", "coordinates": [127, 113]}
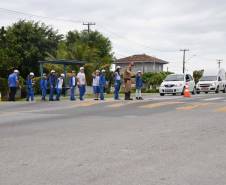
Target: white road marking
{"type": "Point", "coordinates": [213, 99]}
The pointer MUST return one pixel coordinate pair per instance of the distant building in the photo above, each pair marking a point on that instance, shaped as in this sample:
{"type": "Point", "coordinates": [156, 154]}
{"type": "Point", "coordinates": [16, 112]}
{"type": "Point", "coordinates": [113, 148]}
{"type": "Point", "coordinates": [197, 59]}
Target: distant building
{"type": "Point", "coordinates": [142, 63]}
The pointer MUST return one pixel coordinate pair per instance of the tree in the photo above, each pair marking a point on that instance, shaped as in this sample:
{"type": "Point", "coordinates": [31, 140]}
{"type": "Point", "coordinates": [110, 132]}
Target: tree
{"type": "Point", "coordinates": [93, 48]}
{"type": "Point", "coordinates": [25, 43]}
{"type": "Point", "coordinates": [154, 79]}
{"type": "Point", "coordinates": [197, 75]}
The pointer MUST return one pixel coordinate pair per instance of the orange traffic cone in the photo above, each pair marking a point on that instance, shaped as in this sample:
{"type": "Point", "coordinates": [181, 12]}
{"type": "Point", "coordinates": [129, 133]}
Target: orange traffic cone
{"type": "Point", "coordinates": [187, 93]}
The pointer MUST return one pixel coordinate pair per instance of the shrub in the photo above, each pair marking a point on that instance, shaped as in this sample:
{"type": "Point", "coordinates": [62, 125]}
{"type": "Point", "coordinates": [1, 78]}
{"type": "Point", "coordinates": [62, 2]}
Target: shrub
{"type": "Point", "coordinates": [4, 89]}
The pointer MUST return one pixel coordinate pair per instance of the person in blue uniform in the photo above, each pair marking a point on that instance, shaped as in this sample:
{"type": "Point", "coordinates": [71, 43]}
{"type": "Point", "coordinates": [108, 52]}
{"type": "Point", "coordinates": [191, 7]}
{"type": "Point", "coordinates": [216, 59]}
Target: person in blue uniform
{"type": "Point", "coordinates": [29, 85]}
{"type": "Point", "coordinates": [13, 83]}
{"type": "Point", "coordinates": [59, 86]}
{"type": "Point", "coordinates": [52, 83]}
{"type": "Point", "coordinates": [117, 82]}
{"type": "Point", "coordinates": [102, 84]}
{"type": "Point", "coordinates": [44, 86]}
{"type": "Point", "coordinates": [72, 85]}
{"type": "Point", "coordinates": [139, 85]}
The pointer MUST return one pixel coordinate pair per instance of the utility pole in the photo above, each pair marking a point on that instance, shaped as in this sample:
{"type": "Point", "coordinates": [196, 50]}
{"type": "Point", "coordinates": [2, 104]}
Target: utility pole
{"type": "Point", "coordinates": [89, 24]}
{"type": "Point", "coordinates": [219, 61]}
{"type": "Point", "coordinates": [184, 58]}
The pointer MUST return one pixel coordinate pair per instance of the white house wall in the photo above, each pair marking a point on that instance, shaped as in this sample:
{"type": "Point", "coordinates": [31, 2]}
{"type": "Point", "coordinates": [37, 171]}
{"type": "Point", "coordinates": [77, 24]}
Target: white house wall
{"type": "Point", "coordinates": [144, 67]}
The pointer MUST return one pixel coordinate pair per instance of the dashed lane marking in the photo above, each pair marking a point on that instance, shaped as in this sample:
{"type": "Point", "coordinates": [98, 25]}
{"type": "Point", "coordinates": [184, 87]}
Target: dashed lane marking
{"type": "Point", "coordinates": [122, 103]}
{"type": "Point", "coordinates": [222, 109]}
{"type": "Point", "coordinates": [194, 106]}
{"type": "Point", "coordinates": [161, 104]}
{"type": "Point", "coordinates": [213, 99]}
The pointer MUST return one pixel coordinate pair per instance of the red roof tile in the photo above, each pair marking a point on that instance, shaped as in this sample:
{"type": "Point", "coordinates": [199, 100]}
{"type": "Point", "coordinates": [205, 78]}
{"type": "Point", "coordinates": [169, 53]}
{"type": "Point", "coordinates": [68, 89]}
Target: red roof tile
{"type": "Point", "coordinates": [140, 58]}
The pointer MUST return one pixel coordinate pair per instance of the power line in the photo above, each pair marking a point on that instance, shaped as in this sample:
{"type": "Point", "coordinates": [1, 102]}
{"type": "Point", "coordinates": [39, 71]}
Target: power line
{"type": "Point", "coordinates": [89, 24]}
{"type": "Point", "coordinates": [138, 43]}
{"type": "Point", "coordinates": [184, 58]}
{"type": "Point", "coordinates": [38, 16]}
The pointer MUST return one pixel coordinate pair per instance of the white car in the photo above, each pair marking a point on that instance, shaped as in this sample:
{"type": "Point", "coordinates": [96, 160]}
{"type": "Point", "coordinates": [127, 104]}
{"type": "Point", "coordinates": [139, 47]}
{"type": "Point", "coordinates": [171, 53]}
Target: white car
{"type": "Point", "coordinates": [175, 84]}
{"type": "Point", "coordinates": [211, 84]}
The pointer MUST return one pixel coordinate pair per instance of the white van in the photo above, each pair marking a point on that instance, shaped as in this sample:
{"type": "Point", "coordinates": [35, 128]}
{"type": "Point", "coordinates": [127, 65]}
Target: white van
{"type": "Point", "coordinates": [213, 83]}
{"type": "Point", "coordinates": [175, 84]}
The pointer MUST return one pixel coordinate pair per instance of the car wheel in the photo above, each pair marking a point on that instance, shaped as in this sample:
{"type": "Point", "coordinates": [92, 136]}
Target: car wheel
{"type": "Point", "coordinates": [174, 94]}
{"type": "Point", "coordinates": [217, 91]}
{"type": "Point", "coordinates": [224, 91]}
{"type": "Point", "coordinates": [162, 94]}
{"type": "Point", "coordinates": [194, 91]}
{"type": "Point", "coordinates": [183, 91]}
{"type": "Point", "coordinates": [206, 92]}
{"type": "Point", "coordinates": [198, 92]}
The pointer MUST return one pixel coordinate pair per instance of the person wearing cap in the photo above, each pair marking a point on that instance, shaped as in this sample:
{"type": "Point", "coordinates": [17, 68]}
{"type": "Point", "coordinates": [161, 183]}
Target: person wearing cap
{"type": "Point", "coordinates": [52, 83]}
{"type": "Point", "coordinates": [96, 84]}
{"type": "Point", "coordinates": [102, 84]}
{"type": "Point", "coordinates": [13, 83]}
{"type": "Point", "coordinates": [43, 86]}
{"type": "Point", "coordinates": [128, 81]}
{"type": "Point", "coordinates": [139, 85]}
{"type": "Point", "coordinates": [59, 86]}
{"type": "Point", "coordinates": [81, 77]}
{"type": "Point", "coordinates": [29, 85]}
{"type": "Point", "coordinates": [72, 85]}
{"type": "Point", "coordinates": [117, 82]}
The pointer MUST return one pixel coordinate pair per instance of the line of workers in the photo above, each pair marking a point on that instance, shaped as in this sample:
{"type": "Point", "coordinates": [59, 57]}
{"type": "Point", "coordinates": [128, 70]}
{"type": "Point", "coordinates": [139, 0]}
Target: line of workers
{"type": "Point", "coordinates": [55, 84]}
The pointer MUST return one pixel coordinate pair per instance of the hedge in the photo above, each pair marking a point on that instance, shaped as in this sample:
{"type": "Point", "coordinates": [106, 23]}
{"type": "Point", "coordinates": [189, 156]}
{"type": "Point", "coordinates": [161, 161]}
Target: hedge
{"type": "Point", "coordinates": [4, 89]}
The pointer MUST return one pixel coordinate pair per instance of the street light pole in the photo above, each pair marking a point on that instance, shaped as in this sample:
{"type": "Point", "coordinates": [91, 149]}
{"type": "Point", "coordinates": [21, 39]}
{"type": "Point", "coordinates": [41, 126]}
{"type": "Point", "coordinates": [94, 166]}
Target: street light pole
{"type": "Point", "coordinates": [184, 58]}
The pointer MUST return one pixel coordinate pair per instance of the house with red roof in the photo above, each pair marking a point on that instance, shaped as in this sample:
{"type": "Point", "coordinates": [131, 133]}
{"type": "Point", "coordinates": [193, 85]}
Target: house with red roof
{"type": "Point", "coordinates": [143, 62]}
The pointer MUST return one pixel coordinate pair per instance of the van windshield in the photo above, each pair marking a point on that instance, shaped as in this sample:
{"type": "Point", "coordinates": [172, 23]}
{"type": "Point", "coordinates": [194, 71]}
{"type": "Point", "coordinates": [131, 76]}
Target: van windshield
{"type": "Point", "coordinates": [174, 78]}
{"type": "Point", "coordinates": [208, 78]}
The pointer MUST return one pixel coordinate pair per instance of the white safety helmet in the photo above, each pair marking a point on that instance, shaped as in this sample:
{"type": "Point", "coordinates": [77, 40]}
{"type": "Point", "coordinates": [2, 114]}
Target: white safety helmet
{"type": "Point", "coordinates": [52, 71]}
{"type": "Point", "coordinates": [32, 74]}
{"type": "Point", "coordinates": [16, 71]}
{"type": "Point", "coordinates": [81, 68]}
{"type": "Point", "coordinates": [62, 75]}
{"type": "Point", "coordinates": [118, 67]}
{"type": "Point", "coordinates": [103, 71]}
{"type": "Point", "coordinates": [97, 71]}
{"type": "Point", "coordinates": [138, 71]}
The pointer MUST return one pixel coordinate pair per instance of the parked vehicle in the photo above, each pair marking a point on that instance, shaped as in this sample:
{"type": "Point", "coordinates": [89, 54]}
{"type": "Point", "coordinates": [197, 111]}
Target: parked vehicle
{"type": "Point", "coordinates": [175, 84]}
{"type": "Point", "coordinates": [215, 83]}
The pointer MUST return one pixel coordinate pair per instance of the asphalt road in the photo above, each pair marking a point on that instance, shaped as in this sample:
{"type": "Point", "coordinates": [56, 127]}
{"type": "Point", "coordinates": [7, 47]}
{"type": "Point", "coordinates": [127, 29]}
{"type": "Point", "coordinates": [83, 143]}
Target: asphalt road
{"type": "Point", "coordinates": [159, 141]}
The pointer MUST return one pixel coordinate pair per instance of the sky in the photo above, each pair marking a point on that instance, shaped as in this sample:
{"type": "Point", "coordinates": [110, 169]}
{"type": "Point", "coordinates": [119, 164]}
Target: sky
{"type": "Point", "coordinates": [158, 28]}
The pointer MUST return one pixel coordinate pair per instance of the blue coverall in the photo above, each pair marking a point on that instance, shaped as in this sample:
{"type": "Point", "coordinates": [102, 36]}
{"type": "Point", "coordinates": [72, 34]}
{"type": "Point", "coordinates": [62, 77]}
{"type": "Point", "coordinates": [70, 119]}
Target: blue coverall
{"type": "Point", "coordinates": [43, 87]}
{"type": "Point", "coordinates": [30, 89]}
{"type": "Point", "coordinates": [72, 88]}
{"type": "Point", "coordinates": [117, 85]}
{"type": "Point", "coordinates": [102, 84]}
{"type": "Point", "coordinates": [52, 82]}
{"type": "Point", "coordinates": [139, 82]}
{"type": "Point", "coordinates": [12, 83]}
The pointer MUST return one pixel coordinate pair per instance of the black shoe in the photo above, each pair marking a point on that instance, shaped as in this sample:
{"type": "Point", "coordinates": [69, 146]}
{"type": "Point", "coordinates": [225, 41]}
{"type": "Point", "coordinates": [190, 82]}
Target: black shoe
{"type": "Point", "coordinates": [126, 96]}
{"type": "Point", "coordinates": [141, 98]}
{"type": "Point", "coordinates": [137, 98]}
{"type": "Point", "coordinates": [129, 96]}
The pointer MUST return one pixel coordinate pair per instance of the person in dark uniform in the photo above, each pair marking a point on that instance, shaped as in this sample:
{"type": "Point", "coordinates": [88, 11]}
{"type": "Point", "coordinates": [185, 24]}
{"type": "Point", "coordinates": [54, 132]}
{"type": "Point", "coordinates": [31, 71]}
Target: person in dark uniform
{"type": "Point", "coordinates": [52, 83]}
